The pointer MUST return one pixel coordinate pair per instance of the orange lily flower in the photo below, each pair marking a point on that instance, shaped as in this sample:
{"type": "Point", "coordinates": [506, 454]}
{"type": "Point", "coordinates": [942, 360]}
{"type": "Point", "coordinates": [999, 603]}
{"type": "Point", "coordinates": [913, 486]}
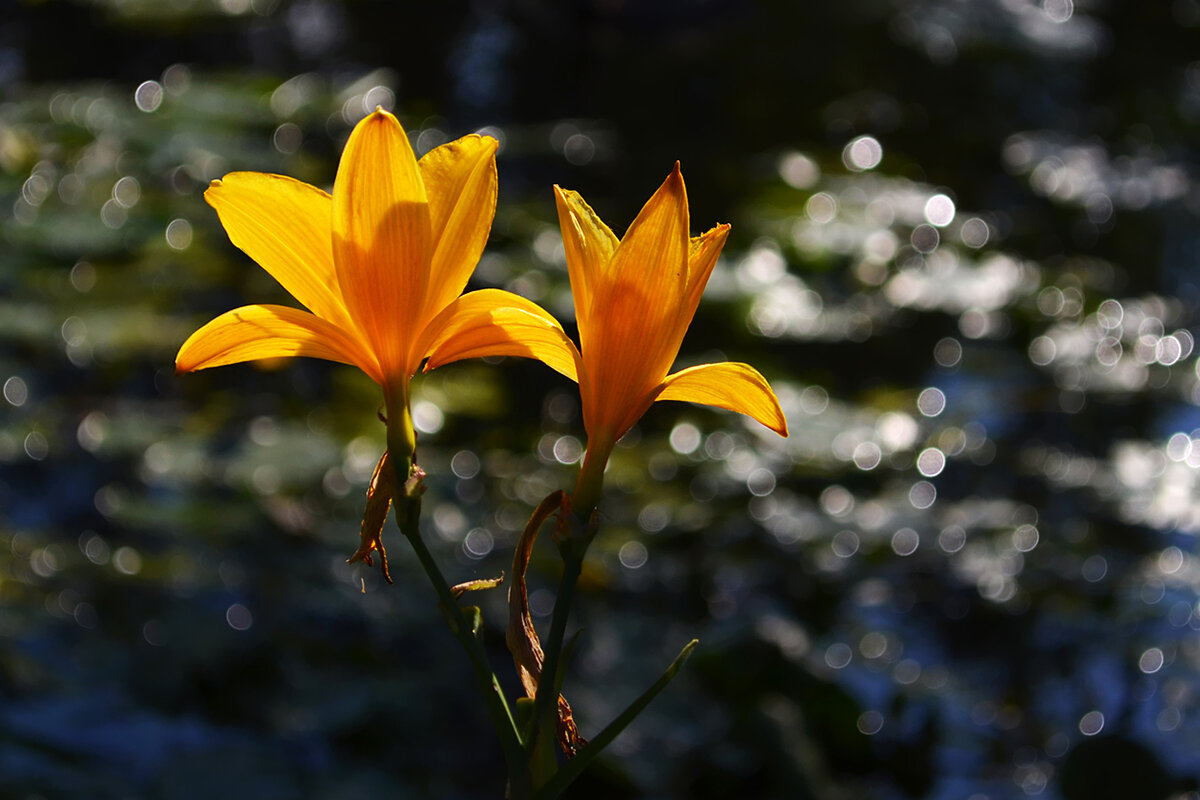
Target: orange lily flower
{"type": "Point", "coordinates": [634, 300]}
{"type": "Point", "coordinates": [380, 265]}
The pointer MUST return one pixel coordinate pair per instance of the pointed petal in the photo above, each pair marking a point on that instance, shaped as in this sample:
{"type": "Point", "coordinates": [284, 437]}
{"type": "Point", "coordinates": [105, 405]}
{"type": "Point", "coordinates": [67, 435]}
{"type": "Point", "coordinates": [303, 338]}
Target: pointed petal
{"type": "Point", "coordinates": [254, 332]}
{"type": "Point", "coordinates": [286, 227]}
{"type": "Point", "coordinates": [589, 246]}
{"type": "Point", "coordinates": [381, 241]}
{"type": "Point", "coordinates": [728, 385]}
{"type": "Point", "coordinates": [491, 322]}
{"type": "Point", "coordinates": [635, 328]}
{"type": "Point", "coordinates": [460, 180]}
{"type": "Point", "coordinates": [703, 251]}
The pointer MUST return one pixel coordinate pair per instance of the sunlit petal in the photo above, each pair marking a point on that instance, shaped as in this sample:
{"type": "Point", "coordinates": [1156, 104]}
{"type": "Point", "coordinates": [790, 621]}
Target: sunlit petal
{"type": "Point", "coordinates": [735, 387]}
{"type": "Point", "coordinates": [381, 238]}
{"type": "Point", "coordinates": [589, 246]}
{"type": "Point", "coordinates": [285, 226]}
{"type": "Point", "coordinates": [635, 332]}
{"type": "Point", "coordinates": [491, 322]}
{"type": "Point", "coordinates": [254, 332]}
{"type": "Point", "coordinates": [460, 181]}
{"type": "Point", "coordinates": [703, 251]}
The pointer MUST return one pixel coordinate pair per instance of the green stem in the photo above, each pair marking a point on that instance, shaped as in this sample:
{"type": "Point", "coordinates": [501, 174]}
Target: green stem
{"type": "Point", "coordinates": [545, 714]}
{"type": "Point", "coordinates": [489, 686]}
{"type": "Point", "coordinates": [402, 447]}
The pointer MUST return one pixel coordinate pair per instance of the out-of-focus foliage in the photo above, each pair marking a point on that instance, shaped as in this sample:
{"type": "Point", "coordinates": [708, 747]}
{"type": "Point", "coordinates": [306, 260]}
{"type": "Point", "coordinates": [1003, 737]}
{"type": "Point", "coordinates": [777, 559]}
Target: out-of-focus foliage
{"type": "Point", "coordinates": [965, 251]}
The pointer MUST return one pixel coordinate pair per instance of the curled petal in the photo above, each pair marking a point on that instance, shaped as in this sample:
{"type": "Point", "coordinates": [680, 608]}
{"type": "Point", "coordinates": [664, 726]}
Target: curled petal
{"type": "Point", "coordinates": [253, 332]}
{"type": "Point", "coordinates": [285, 226]}
{"type": "Point", "coordinates": [703, 251]}
{"type": "Point", "coordinates": [381, 241]}
{"type": "Point", "coordinates": [460, 181]}
{"type": "Point", "coordinates": [492, 322]}
{"type": "Point", "coordinates": [728, 385]}
{"type": "Point", "coordinates": [589, 246]}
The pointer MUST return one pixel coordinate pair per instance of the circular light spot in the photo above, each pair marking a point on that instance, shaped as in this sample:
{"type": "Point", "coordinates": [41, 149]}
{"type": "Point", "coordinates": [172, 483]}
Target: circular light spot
{"type": "Point", "coordinates": [952, 539]}
{"type": "Point", "coordinates": [1151, 661]}
{"type": "Point", "coordinates": [905, 542]}
{"type": "Point", "coordinates": [836, 500]}
{"type": "Point", "coordinates": [862, 153]}
{"type": "Point", "coordinates": [947, 352]}
{"type": "Point", "coordinates": [579, 149]}
{"type": "Point", "coordinates": [1042, 350]}
{"type": "Point", "coordinates": [761, 482]}
{"type": "Point", "coordinates": [179, 234]}
{"type": "Point", "coordinates": [821, 208]}
{"type": "Point", "coordinates": [931, 462]}
{"type": "Point", "coordinates": [654, 517]}
{"type": "Point", "coordinates": [1109, 351]}
{"type": "Point", "coordinates": [684, 438]}
{"type": "Point", "coordinates": [939, 210]}
{"type": "Point", "coordinates": [931, 401]}
{"type": "Point", "coordinates": [238, 617]}
{"type": "Point", "coordinates": [478, 542]}
{"type": "Point", "coordinates": [465, 464]}
{"type": "Point", "coordinates": [83, 277]}
{"type": "Point", "coordinates": [1168, 719]}
{"type": "Point", "coordinates": [1091, 723]}
{"type": "Point", "coordinates": [16, 391]}
{"type": "Point", "coordinates": [922, 494]}
{"type": "Point", "coordinates": [567, 450]}
{"type": "Point", "coordinates": [148, 96]}
{"type": "Point", "coordinates": [867, 456]}
{"type": "Point", "coordinates": [844, 544]}
{"type": "Point", "coordinates": [1170, 560]}
{"type": "Point", "coordinates": [873, 645]}
{"type": "Point", "coordinates": [907, 672]}
{"type": "Point", "coordinates": [799, 171]}
{"type": "Point", "coordinates": [1025, 538]}
{"type": "Point", "coordinates": [127, 191]}
{"type": "Point", "coordinates": [127, 561]}
{"type": "Point", "coordinates": [870, 722]}
{"type": "Point", "coordinates": [1094, 569]}
{"type": "Point", "coordinates": [925, 239]}
{"type": "Point", "coordinates": [838, 655]}
{"type": "Point", "coordinates": [814, 400]}
{"type": "Point", "coordinates": [287, 138]}
{"type": "Point", "coordinates": [1059, 10]}
{"type": "Point", "coordinates": [113, 214]}
{"type": "Point", "coordinates": [633, 555]}
{"type": "Point", "coordinates": [1110, 313]}
{"type": "Point", "coordinates": [36, 446]}
{"type": "Point", "coordinates": [974, 233]}
{"type": "Point", "coordinates": [427, 417]}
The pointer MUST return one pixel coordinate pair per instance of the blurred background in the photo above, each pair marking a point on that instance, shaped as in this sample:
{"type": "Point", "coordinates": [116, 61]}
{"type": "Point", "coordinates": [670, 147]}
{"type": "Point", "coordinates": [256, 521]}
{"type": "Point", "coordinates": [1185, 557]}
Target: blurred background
{"type": "Point", "coordinates": [965, 251]}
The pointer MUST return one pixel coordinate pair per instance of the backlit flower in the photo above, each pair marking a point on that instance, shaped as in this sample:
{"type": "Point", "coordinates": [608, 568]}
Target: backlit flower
{"type": "Point", "coordinates": [380, 265]}
{"type": "Point", "coordinates": [634, 300]}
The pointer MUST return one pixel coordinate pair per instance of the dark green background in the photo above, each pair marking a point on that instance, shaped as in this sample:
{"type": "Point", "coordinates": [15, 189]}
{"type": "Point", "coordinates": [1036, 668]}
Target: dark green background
{"type": "Point", "coordinates": [176, 618]}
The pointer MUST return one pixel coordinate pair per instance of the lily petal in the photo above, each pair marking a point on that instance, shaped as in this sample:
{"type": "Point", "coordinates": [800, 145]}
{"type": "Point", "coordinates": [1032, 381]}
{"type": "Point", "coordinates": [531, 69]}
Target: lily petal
{"type": "Point", "coordinates": [635, 328]}
{"type": "Point", "coordinates": [703, 251]}
{"type": "Point", "coordinates": [266, 331]}
{"type": "Point", "coordinates": [728, 385]}
{"type": "Point", "coordinates": [589, 245]}
{"type": "Point", "coordinates": [492, 322]}
{"type": "Point", "coordinates": [460, 181]}
{"type": "Point", "coordinates": [381, 243]}
{"type": "Point", "coordinates": [285, 226]}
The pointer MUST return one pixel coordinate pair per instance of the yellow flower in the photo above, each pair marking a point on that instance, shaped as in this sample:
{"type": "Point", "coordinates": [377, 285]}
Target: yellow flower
{"type": "Point", "coordinates": [380, 265]}
{"type": "Point", "coordinates": [634, 300]}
